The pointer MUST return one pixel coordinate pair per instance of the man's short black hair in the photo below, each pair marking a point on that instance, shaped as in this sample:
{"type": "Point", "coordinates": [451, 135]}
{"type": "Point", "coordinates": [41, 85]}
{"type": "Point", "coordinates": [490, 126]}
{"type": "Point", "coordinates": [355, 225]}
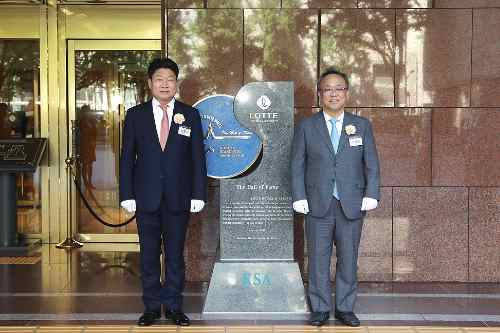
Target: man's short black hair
{"type": "Point", "coordinates": [330, 71]}
{"type": "Point", "coordinates": [162, 63]}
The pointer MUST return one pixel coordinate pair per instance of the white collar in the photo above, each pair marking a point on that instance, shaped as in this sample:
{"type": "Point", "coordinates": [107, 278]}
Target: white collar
{"type": "Point", "coordinates": [156, 103]}
{"type": "Point", "coordinates": [340, 118]}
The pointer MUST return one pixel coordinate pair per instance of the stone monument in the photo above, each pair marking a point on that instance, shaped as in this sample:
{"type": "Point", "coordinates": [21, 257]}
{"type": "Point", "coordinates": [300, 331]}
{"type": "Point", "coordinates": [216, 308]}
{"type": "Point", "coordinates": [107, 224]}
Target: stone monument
{"type": "Point", "coordinates": [255, 277]}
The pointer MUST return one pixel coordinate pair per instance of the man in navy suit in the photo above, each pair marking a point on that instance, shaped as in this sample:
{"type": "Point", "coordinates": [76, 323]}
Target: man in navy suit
{"type": "Point", "coordinates": [162, 178]}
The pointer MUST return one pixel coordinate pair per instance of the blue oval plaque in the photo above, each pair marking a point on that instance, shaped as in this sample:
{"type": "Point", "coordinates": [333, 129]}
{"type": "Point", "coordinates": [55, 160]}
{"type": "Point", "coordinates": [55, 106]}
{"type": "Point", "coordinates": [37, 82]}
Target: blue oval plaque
{"type": "Point", "coordinates": [230, 149]}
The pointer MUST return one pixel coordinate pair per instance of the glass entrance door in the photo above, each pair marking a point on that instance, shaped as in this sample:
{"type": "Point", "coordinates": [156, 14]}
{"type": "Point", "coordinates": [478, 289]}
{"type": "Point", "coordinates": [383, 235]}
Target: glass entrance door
{"type": "Point", "coordinates": [105, 78]}
{"type": "Point", "coordinates": [20, 118]}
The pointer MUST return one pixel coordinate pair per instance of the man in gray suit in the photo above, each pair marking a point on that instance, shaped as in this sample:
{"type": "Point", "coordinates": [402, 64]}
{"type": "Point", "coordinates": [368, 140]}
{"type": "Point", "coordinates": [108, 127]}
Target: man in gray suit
{"type": "Point", "coordinates": [335, 180]}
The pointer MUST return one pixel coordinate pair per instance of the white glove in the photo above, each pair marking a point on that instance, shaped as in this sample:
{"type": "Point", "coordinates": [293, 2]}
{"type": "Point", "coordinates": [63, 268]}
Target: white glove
{"type": "Point", "coordinates": [301, 206]}
{"type": "Point", "coordinates": [128, 205]}
{"type": "Point", "coordinates": [197, 205]}
{"type": "Point", "coordinates": [369, 204]}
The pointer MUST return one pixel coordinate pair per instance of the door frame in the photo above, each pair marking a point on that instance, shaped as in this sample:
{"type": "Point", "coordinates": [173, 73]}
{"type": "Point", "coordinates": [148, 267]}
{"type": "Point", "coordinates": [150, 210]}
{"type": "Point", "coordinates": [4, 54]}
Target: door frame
{"type": "Point", "coordinates": [20, 22]}
{"type": "Point", "coordinates": [74, 45]}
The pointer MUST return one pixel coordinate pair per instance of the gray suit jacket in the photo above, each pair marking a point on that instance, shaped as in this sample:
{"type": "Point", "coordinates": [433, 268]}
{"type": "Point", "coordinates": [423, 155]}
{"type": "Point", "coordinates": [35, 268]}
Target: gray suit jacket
{"type": "Point", "coordinates": [314, 166]}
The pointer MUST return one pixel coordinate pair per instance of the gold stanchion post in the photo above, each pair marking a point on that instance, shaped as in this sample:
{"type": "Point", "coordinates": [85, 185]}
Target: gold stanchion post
{"type": "Point", "coordinates": [71, 161]}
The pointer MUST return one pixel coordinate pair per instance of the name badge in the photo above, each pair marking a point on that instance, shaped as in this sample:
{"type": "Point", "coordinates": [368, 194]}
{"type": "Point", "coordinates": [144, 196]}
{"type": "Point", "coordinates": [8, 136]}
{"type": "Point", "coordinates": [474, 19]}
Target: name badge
{"type": "Point", "coordinates": [186, 131]}
{"type": "Point", "coordinates": [355, 141]}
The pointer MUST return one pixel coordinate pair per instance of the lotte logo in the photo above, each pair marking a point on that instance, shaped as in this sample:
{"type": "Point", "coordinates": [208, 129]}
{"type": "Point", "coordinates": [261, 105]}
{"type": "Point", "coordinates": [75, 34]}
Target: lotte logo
{"type": "Point", "coordinates": [264, 102]}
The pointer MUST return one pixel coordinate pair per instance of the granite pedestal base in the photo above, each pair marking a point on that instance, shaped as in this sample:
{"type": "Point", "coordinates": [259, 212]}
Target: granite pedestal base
{"type": "Point", "coordinates": [269, 290]}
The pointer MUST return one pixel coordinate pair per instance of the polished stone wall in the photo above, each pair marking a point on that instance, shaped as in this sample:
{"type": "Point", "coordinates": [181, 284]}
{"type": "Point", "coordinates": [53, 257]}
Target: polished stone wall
{"type": "Point", "coordinates": [425, 72]}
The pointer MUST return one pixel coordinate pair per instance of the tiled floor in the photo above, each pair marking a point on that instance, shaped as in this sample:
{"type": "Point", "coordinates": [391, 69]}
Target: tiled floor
{"type": "Point", "coordinates": [245, 329]}
{"type": "Point", "coordinates": [90, 288]}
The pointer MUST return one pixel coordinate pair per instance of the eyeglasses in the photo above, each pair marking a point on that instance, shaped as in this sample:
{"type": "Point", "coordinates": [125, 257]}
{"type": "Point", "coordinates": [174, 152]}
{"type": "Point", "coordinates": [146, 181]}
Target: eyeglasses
{"type": "Point", "coordinates": [337, 90]}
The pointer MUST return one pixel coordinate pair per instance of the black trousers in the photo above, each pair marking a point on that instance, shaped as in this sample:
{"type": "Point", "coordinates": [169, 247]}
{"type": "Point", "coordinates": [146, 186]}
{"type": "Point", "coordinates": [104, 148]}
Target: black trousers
{"type": "Point", "coordinates": [169, 228]}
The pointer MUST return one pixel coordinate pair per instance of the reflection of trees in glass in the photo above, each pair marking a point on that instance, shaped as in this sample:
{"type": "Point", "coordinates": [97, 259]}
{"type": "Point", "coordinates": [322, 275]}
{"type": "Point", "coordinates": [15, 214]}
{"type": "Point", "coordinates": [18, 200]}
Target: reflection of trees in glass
{"type": "Point", "coordinates": [395, 3]}
{"type": "Point", "coordinates": [19, 77]}
{"type": "Point", "coordinates": [207, 45]}
{"type": "Point", "coordinates": [411, 25]}
{"type": "Point", "coordinates": [282, 45]}
{"type": "Point", "coordinates": [92, 66]}
{"type": "Point", "coordinates": [19, 64]}
{"type": "Point", "coordinates": [361, 43]}
{"type": "Point", "coordinates": [104, 80]}
{"type": "Point", "coordinates": [185, 3]}
{"type": "Point", "coordinates": [435, 57]}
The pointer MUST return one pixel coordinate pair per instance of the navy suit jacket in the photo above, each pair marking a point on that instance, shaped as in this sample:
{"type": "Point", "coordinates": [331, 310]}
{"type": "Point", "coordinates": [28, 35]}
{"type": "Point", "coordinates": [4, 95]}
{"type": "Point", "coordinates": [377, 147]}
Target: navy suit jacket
{"type": "Point", "coordinates": [147, 173]}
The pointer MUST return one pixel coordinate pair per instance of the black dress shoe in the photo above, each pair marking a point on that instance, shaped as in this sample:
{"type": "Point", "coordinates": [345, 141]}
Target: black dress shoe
{"type": "Point", "coordinates": [347, 318]}
{"type": "Point", "coordinates": [177, 317]}
{"type": "Point", "coordinates": [319, 318]}
{"type": "Point", "coordinates": [148, 318]}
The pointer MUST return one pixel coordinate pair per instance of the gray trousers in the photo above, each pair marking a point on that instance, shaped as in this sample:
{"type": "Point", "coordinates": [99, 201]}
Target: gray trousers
{"type": "Point", "coordinates": [322, 234]}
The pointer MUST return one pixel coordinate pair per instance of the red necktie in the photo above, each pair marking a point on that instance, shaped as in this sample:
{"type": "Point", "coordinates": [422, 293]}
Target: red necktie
{"type": "Point", "coordinates": [164, 127]}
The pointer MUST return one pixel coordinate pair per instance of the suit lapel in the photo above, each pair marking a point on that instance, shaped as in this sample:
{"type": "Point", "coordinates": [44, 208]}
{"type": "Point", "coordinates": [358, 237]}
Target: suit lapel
{"type": "Point", "coordinates": [150, 122]}
{"type": "Point", "coordinates": [348, 120]}
{"type": "Point", "coordinates": [319, 122]}
{"type": "Point", "coordinates": [173, 126]}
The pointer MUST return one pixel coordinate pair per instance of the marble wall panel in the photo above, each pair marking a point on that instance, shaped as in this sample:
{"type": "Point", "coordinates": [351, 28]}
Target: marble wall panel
{"type": "Point", "coordinates": [301, 113]}
{"type": "Point", "coordinates": [281, 45]}
{"type": "Point", "coordinates": [319, 3]}
{"type": "Point", "coordinates": [361, 44]}
{"type": "Point", "coordinates": [202, 240]}
{"type": "Point", "coordinates": [486, 58]}
{"type": "Point", "coordinates": [403, 138]}
{"type": "Point", "coordinates": [208, 46]}
{"type": "Point", "coordinates": [395, 3]}
{"type": "Point", "coordinates": [375, 251]}
{"type": "Point", "coordinates": [465, 148]}
{"type": "Point", "coordinates": [484, 234]}
{"type": "Point", "coordinates": [412, 75]}
{"type": "Point", "coordinates": [432, 67]}
{"type": "Point", "coordinates": [375, 259]}
{"type": "Point", "coordinates": [243, 3]}
{"type": "Point", "coordinates": [430, 234]}
{"type": "Point", "coordinates": [466, 3]}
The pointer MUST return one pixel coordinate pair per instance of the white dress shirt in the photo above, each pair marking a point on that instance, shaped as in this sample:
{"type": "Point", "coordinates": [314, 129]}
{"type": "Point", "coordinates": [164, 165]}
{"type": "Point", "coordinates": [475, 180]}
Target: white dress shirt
{"type": "Point", "coordinates": [158, 114]}
{"type": "Point", "coordinates": [338, 124]}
